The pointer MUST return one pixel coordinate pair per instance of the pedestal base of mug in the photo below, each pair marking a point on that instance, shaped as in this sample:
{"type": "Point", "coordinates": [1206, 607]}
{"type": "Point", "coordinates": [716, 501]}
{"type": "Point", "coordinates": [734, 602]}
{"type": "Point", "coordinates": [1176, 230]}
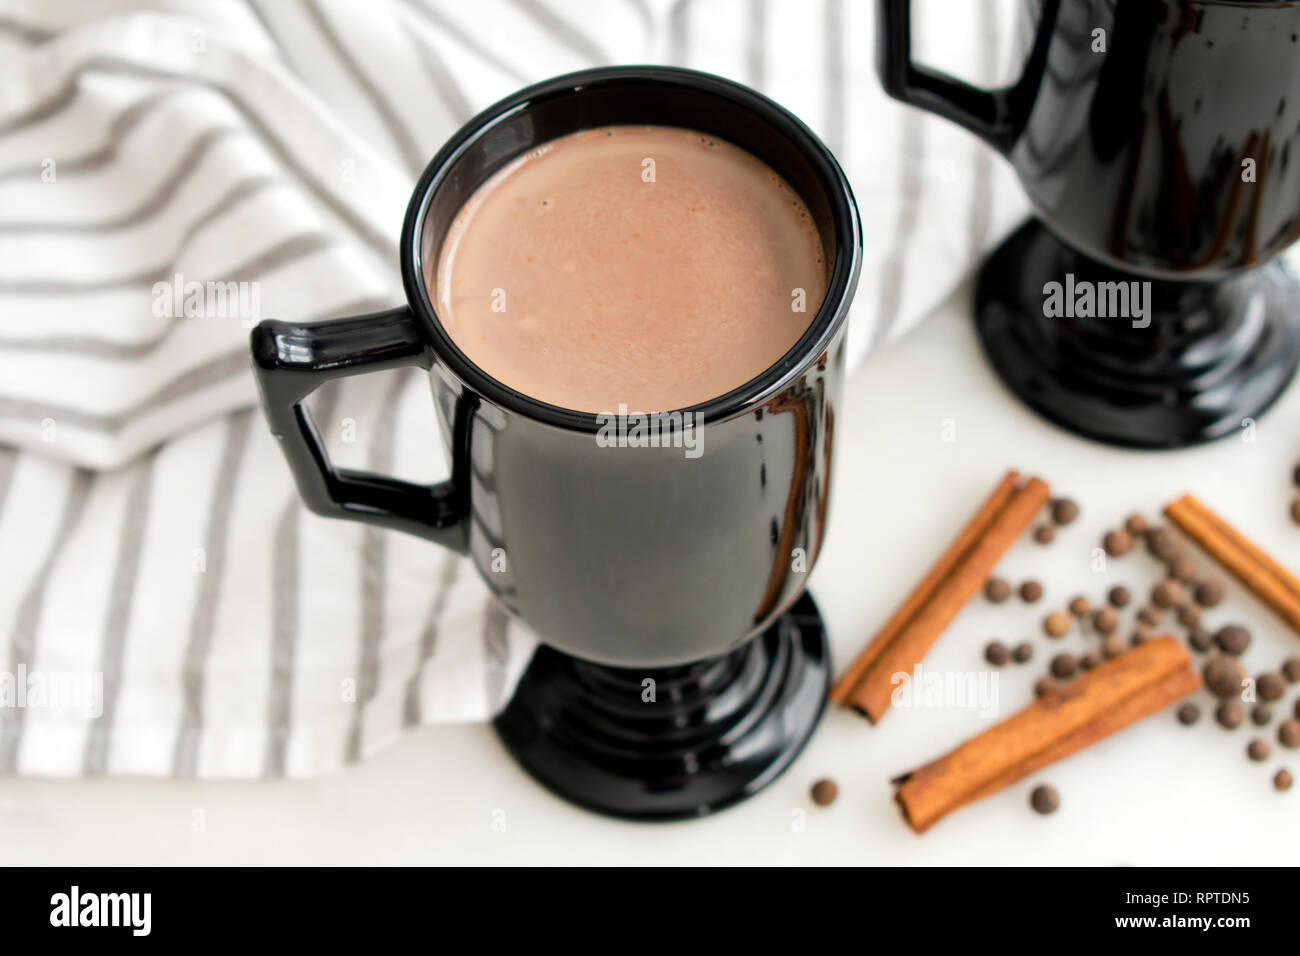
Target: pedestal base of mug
{"type": "Point", "coordinates": [1206, 359]}
{"type": "Point", "coordinates": [673, 743]}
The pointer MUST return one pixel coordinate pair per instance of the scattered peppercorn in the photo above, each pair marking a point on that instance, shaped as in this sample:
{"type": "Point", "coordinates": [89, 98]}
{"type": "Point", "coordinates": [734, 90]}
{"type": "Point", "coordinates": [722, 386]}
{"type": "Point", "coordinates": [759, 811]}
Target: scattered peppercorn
{"type": "Point", "coordinates": [1105, 620]}
{"type": "Point", "coordinates": [1044, 534]}
{"type": "Point", "coordinates": [1200, 639]}
{"type": "Point", "coordinates": [1228, 714]}
{"type": "Point", "coordinates": [1136, 525]}
{"type": "Point", "coordinates": [1183, 569]}
{"type": "Point", "coordinates": [1209, 593]}
{"type": "Point", "coordinates": [1080, 606]}
{"type": "Point", "coordinates": [1117, 543]}
{"type": "Point", "coordinates": [1162, 544]}
{"type": "Point", "coordinates": [1288, 734]}
{"type": "Point", "coordinates": [1119, 596]}
{"type": "Point", "coordinates": [1064, 511]}
{"type": "Point", "coordinates": [1189, 615]}
{"type": "Point", "coordinates": [1291, 669]}
{"type": "Point", "coordinates": [1261, 714]}
{"type": "Point", "coordinates": [1030, 591]}
{"type": "Point", "coordinates": [1023, 652]}
{"type": "Point", "coordinates": [824, 792]}
{"type": "Point", "coordinates": [1044, 799]}
{"type": "Point", "coordinates": [1064, 666]}
{"type": "Point", "coordinates": [1295, 511]}
{"type": "Point", "coordinates": [1090, 660]}
{"type": "Point", "coordinates": [997, 590]}
{"type": "Point", "coordinates": [1232, 639]}
{"type": "Point", "coordinates": [1167, 594]}
{"type": "Point", "coordinates": [1258, 750]}
{"type": "Point", "coordinates": [1188, 714]}
{"type": "Point", "coordinates": [1057, 624]}
{"type": "Point", "coordinates": [1150, 616]}
{"type": "Point", "coordinates": [1140, 636]}
{"type": "Point", "coordinates": [997, 653]}
{"type": "Point", "coordinates": [1282, 780]}
{"type": "Point", "coordinates": [1044, 685]}
{"type": "Point", "coordinates": [1270, 686]}
{"type": "Point", "coordinates": [1223, 676]}
{"type": "Point", "coordinates": [1112, 647]}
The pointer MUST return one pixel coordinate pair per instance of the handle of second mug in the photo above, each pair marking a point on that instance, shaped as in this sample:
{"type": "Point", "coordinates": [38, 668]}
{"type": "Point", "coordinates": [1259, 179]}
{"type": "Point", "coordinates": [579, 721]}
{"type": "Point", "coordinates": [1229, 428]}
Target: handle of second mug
{"type": "Point", "coordinates": [996, 116]}
{"type": "Point", "coordinates": [291, 360]}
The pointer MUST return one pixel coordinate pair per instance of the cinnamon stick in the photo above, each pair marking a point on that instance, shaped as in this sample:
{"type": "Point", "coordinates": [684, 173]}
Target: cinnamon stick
{"type": "Point", "coordinates": [1120, 692]}
{"type": "Point", "coordinates": [961, 571]}
{"type": "Point", "coordinates": [1273, 584]}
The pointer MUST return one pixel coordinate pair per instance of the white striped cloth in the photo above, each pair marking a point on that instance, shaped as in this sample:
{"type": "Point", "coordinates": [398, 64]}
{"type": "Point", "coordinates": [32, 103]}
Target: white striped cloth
{"type": "Point", "coordinates": [149, 531]}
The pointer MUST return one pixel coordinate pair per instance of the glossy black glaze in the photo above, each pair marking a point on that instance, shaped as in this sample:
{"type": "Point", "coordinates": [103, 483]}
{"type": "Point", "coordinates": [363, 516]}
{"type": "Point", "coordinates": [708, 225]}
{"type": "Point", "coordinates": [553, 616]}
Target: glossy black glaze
{"type": "Point", "coordinates": [1222, 351]}
{"type": "Point", "coordinates": [714, 733]}
{"type": "Point", "coordinates": [624, 557]}
{"type": "Point", "coordinates": [1133, 157]}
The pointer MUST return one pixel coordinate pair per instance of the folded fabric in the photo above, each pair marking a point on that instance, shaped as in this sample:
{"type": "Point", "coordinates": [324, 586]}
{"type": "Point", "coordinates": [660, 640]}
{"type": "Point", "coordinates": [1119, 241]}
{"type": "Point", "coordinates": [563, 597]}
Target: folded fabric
{"type": "Point", "coordinates": [169, 174]}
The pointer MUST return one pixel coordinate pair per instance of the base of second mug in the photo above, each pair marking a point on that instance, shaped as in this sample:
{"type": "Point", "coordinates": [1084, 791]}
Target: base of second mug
{"type": "Point", "coordinates": [698, 739]}
{"type": "Point", "coordinates": [1214, 357]}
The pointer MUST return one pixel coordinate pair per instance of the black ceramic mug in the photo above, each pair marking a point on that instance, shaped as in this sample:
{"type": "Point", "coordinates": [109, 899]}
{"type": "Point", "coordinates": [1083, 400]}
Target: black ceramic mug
{"type": "Point", "coordinates": [1154, 140]}
{"type": "Point", "coordinates": [618, 557]}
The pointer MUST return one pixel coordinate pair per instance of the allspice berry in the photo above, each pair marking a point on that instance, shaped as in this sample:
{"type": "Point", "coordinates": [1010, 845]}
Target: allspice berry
{"type": "Point", "coordinates": [1044, 799]}
{"type": "Point", "coordinates": [1119, 596]}
{"type": "Point", "coordinates": [1288, 734]}
{"type": "Point", "coordinates": [1258, 750]}
{"type": "Point", "coordinates": [1183, 569]}
{"type": "Point", "coordinates": [1261, 714]}
{"type": "Point", "coordinates": [1208, 593]}
{"type": "Point", "coordinates": [1044, 534]}
{"type": "Point", "coordinates": [997, 590]}
{"type": "Point", "coordinates": [1188, 714]}
{"type": "Point", "coordinates": [1064, 666]}
{"type": "Point", "coordinates": [1044, 685]}
{"type": "Point", "coordinates": [1282, 780]}
{"type": "Point", "coordinates": [1167, 594]}
{"type": "Point", "coordinates": [1295, 511]}
{"type": "Point", "coordinates": [1270, 686]}
{"type": "Point", "coordinates": [1136, 525]}
{"type": "Point", "coordinates": [1140, 636]}
{"type": "Point", "coordinates": [1232, 639]}
{"type": "Point", "coordinates": [1228, 714]}
{"type": "Point", "coordinates": [997, 653]}
{"type": "Point", "coordinates": [1117, 543]}
{"type": "Point", "coordinates": [1064, 511]}
{"type": "Point", "coordinates": [1189, 615]}
{"type": "Point", "coordinates": [1291, 669]}
{"type": "Point", "coordinates": [1057, 624]}
{"type": "Point", "coordinates": [1200, 639]}
{"type": "Point", "coordinates": [1090, 660]}
{"type": "Point", "coordinates": [1113, 646]}
{"type": "Point", "coordinates": [1150, 616]}
{"type": "Point", "coordinates": [1105, 620]}
{"type": "Point", "coordinates": [1023, 652]}
{"type": "Point", "coordinates": [1223, 676]}
{"type": "Point", "coordinates": [1081, 606]}
{"type": "Point", "coordinates": [1030, 591]}
{"type": "Point", "coordinates": [1162, 544]}
{"type": "Point", "coordinates": [824, 792]}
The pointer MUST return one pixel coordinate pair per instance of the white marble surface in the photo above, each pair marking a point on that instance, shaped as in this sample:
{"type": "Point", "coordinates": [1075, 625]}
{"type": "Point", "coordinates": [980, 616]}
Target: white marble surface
{"type": "Point", "coordinates": [1157, 793]}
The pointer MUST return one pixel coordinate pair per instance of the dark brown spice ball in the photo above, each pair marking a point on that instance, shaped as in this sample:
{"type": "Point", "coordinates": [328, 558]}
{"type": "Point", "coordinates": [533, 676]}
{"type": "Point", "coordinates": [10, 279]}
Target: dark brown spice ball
{"type": "Point", "coordinates": [1136, 525]}
{"type": "Point", "coordinates": [1261, 714]}
{"type": "Point", "coordinates": [1080, 606]}
{"type": "Point", "coordinates": [1291, 669]}
{"type": "Point", "coordinates": [1064, 666]}
{"type": "Point", "coordinates": [1209, 593]}
{"type": "Point", "coordinates": [1233, 639]}
{"type": "Point", "coordinates": [1119, 596]}
{"type": "Point", "coordinates": [1117, 543]}
{"type": "Point", "coordinates": [1297, 709]}
{"type": "Point", "coordinates": [1295, 476]}
{"type": "Point", "coordinates": [1057, 624]}
{"type": "Point", "coordinates": [1223, 676]}
{"type": "Point", "coordinates": [1228, 714]}
{"type": "Point", "coordinates": [997, 590]}
{"type": "Point", "coordinates": [1139, 636]}
{"type": "Point", "coordinates": [1044, 799]}
{"type": "Point", "coordinates": [1295, 511]}
{"type": "Point", "coordinates": [1162, 544]}
{"type": "Point", "coordinates": [1105, 620]}
{"type": "Point", "coordinates": [1064, 511]}
{"type": "Point", "coordinates": [1258, 750]}
{"type": "Point", "coordinates": [1090, 660]}
{"type": "Point", "coordinates": [1044, 534]}
{"type": "Point", "coordinates": [1288, 734]}
{"type": "Point", "coordinates": [1282, 780]}
{"type": "Point", "coordinates": [1189, 615]}
{"type": "Point", "coordinates": [824, 792]}
{"type": "Point", "coordinates": [1150, 616]}
{"type": "Point", "coordinates": [1023, 652]}
{"type": "Point", "coordinates": [1183, 569]}
{"type": "Point", "coordinates": [1200, 639]}
{"type": "Point", "coordinates": [1044, 685]}
{"type": "Point", "coordinates": [1030, 591]}
{"type": "Point", "coordinates": [997, 653]}
{"type": "Point", "coordinates": [1112, 647]}
{"type": "Point", "coordinates": [1188, 714]}
{"type": "Point", "coordinates": [1270, 686]}
{"type": "Point", "coordinates": [1167, 594]}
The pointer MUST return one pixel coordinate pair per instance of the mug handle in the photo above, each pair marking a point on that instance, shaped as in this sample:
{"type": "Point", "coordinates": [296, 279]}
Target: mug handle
{"type": "Point", "coordinates": [996, 116]}
{"type": "Point", "coordinates": [291, 360]}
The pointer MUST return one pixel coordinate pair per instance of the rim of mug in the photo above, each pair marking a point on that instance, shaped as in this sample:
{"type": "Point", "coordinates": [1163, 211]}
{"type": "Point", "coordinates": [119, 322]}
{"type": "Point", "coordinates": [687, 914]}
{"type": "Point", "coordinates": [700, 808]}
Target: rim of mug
{"type": "Point", "coordinates": [816, 339]}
